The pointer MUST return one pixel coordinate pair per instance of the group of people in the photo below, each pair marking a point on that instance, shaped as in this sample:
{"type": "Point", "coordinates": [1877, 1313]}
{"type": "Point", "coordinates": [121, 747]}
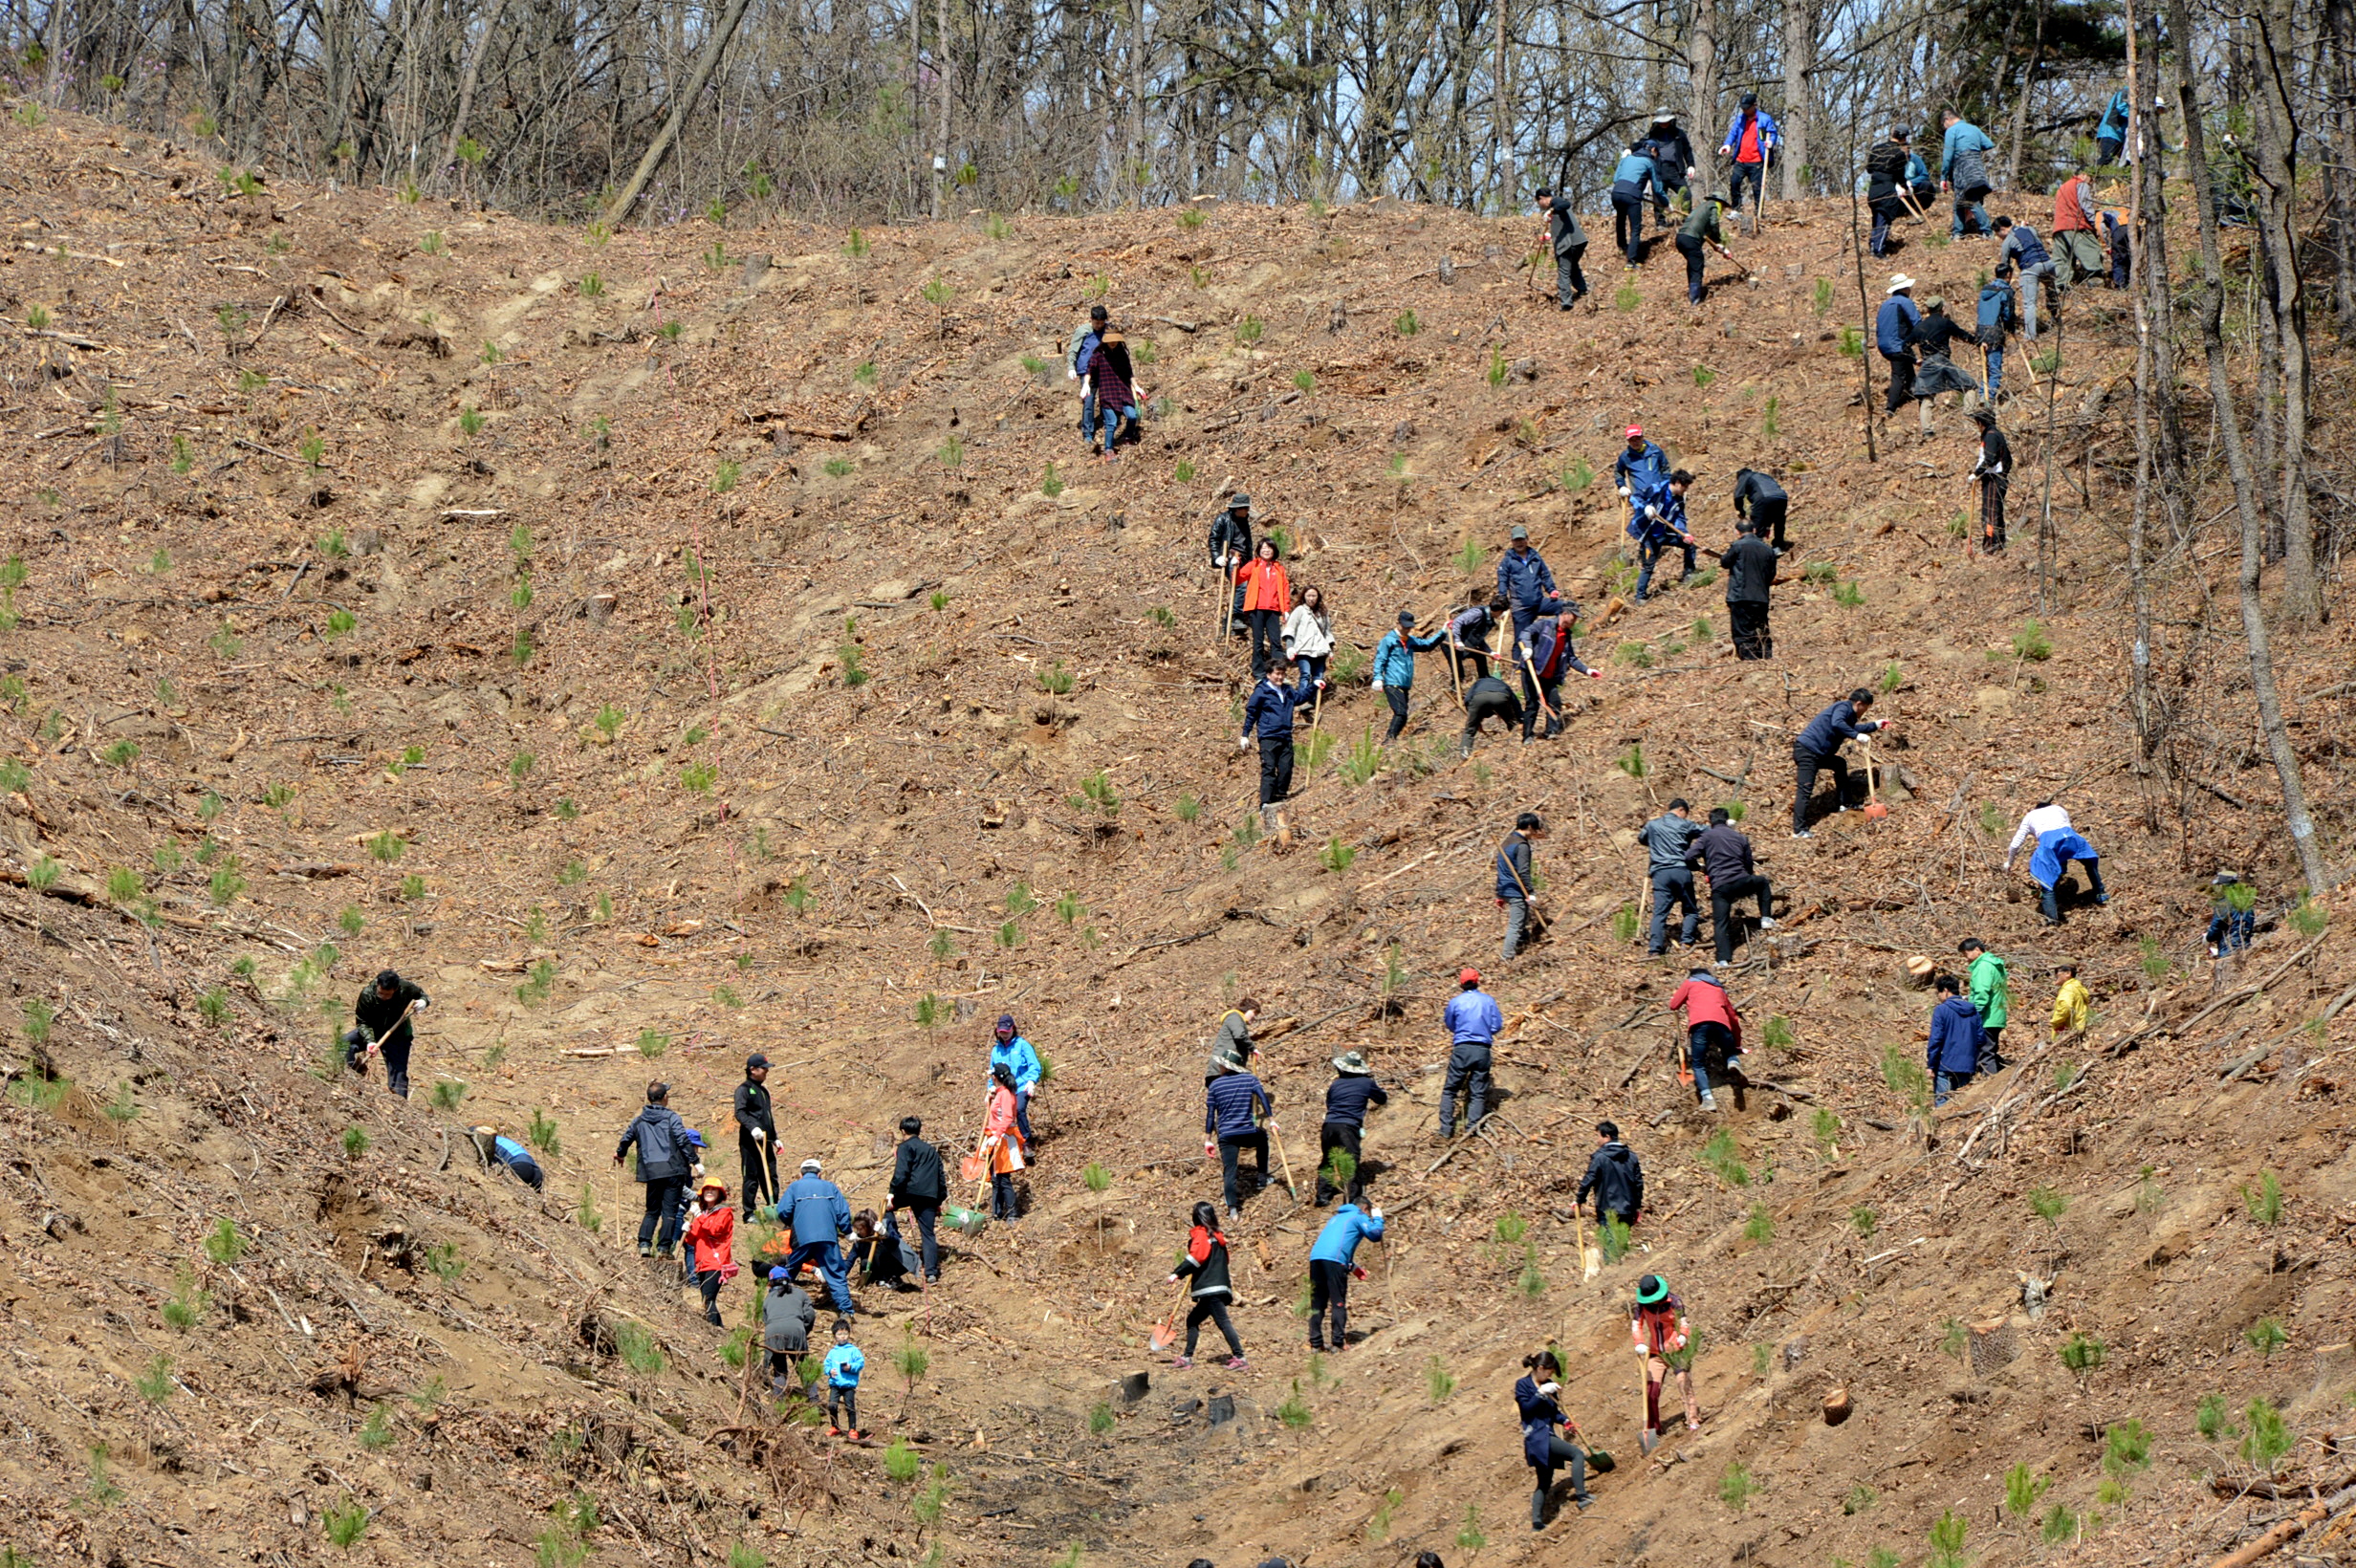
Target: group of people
{"type": "Point", "coordinates": [1111, 409]}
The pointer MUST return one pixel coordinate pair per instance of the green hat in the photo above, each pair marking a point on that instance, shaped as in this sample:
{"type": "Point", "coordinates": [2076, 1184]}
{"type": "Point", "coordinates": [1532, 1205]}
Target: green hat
{"type": "Point", "coordinates": [1651, 1291]}
{"type": "Point", "coordinates": [1352, 1062]}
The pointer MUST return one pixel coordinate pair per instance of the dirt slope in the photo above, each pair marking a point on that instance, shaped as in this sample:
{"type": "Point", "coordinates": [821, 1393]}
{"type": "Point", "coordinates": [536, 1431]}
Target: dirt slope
{"type": "Point", "coordinates": [280, 697]}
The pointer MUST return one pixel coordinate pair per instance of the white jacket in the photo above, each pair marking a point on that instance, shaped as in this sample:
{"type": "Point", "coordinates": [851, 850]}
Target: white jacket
{"type": "Point", "coordinates": [1307, 634]}
{"type": "Point", "coordinates": [2034, 826]}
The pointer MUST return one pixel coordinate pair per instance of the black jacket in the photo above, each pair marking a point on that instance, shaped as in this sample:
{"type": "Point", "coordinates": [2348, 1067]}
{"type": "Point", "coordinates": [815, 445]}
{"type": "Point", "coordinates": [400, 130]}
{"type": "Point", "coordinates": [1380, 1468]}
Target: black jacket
{"type": "Point", "coordinates": [1616, 1178]}
{"type": "Point", "coordinates": [1750, 563]}
{"type": "Point", "coordinates": [1673, 151]}
{"type": "Point", "coordinates": [376, 1014]}
{"type": "Point", "coordinates": [1562, 224]}
{"type": "Point", "coordinates": [1490, 698]}
{"type": "Point", "coordinates": [1996, 454]}
{"type": "Point", "coordinates": [1885, 168]}
{"type": "Point", "coordinates": [1233, 534]}
{"type": "Point", "coordinates": [917, 1176]}
{"type": "Point", "coordinates": [662, 1141]}
{"type": "Point", "coordinates": [1348, 1097]}
{"type": "Point", "coordinates": [1937, 329]}
{"type": "Point", "coordinates": [1754, 486]}
{"type": "Point", "coordinates": [1722, 852]}
{"type": "Point", "coordinates": [753, 1111]}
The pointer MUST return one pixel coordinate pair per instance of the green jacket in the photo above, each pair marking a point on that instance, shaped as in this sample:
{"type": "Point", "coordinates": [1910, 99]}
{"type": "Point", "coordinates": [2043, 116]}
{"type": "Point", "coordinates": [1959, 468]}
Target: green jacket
{"type": "Point", "coordinates": [1703, 223]}
{"type": "Point", "coordinates": [1992, 991]}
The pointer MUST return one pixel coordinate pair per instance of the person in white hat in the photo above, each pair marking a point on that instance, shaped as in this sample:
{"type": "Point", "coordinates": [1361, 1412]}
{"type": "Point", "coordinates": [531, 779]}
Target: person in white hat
{"type": "Point", "coordinates": [820, 1217]}
{"type": "Point", "coordinates": [1672, 161]}
{"type": "Point", "coordinates": [1893, 339]}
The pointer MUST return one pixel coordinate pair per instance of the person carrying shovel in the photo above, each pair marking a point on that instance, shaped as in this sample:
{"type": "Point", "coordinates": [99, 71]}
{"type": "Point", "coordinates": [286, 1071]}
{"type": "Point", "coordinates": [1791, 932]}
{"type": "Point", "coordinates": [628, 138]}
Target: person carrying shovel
{"type": "Point", "coordinates": [1665, 1344]}
{"type": "Point", "coordinates": [1701, 229]}
{"type": "Point", "coordinates": [1205, 1263]}
{"type": "Point", "coordinates": [381, 1027]}
{"type": "Point", "coordinates": [1537, 1394]}
{"type": "Point", "coordinates": [1514, 874]}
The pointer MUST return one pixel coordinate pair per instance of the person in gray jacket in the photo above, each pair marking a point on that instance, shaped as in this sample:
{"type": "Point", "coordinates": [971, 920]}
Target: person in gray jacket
{"type": "Point", "coordinates": [1231, 1048]}
{"type": "Point", "coordinates": [1665, 838]}
{"type": "Point", "coordinates": [1568, 242]}
{"type": "Point", "coordinates": [787, 1317]}
{"type": "Point", "coordinates": [663, 1161]}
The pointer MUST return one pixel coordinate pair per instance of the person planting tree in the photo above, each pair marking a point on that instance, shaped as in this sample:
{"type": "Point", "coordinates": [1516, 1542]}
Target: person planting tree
{"type": "Point", "coordinates": [1665, 1343]}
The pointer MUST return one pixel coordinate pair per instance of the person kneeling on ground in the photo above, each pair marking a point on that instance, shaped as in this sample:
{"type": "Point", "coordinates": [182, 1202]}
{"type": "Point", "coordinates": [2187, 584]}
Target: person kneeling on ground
{"type": "Point", "coordinates": [787, 1316]}
{"type": "Point", "coordinates": [879, 1251]}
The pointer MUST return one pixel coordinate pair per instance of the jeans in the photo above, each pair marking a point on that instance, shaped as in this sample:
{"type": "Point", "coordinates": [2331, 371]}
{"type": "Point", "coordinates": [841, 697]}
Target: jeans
{"type": "Point", "coordinates": [1267, 639]}
{"type": "Point", "coordinates": [842, 1406]}
{"type": "Point", "coordinates": [1559, 1453]}
{"type": "Point", "coordinates": [394, 1049]}
{"type": "Point", "coordinates": [1627, 226]}
{"type": "Point", "coordinates": [1570, 282]}
{"type": "Point", "coordinates": [2049, 897]}
{"type": "Point", "coordinates": [1022, 1116]}
{"type": "Point", "coordinates": [1214, 1309]}
{"type": "Point", "coordinates": [1398, 698]}
{"type": "Point", "coordinates": [1087, 414]}
{"type": "Point", "coordinates": [2230, 929]}
{"type": "Point", "coordinates": [927, 1211]}
{"type": "Point", "coordinates": [1329, 1290]}
{"type": "Point", "coordinates": [664, 1196]}
{"type": "Point", "coordinates": [1468, 1074]}
{"type": "Point", "coordinates": [1722, 897]}
{"type": "Point", "coordinates": [1886, 211]}
{"type": "Point", "coordinates": [1807, 765]}
{"type": "Point", "coordinates": [1691, 249]}
{"type": "Point", "coordinates": [1516, 910]}
{"type": "Point", "coordinates": [1992, 488]}
{"type": "Point", "coordinates": [1668, 885]}
{"type": "Point", "coordinates": [1901, 380]}
{"type": "Point", "coordinates": [1710, 1049]}
{"type": "Point", "coordinates": [1943, 1085]}
{"type": "Point", "coordinates": [1995, 373]}
{"type": "Point", "coordinates": [1276, 767]}
{"type": "Point", "coordinates": [2106, 150]}
{"type": "Point", "coordinates": [1313, 667]}
{"type": "Point", "coordinates": [1648, 553]}
{"type": "Point", "coordinates": [1757, 175]}
{"type": "Point", "coordinates": [831, 1267]}
{"type": "Point", "coordinates": [1971, 218]}
{"type": "Point", "coordinates": [1331, 1136]}
{"type": "Point", "coordinates": [1752, 638]}
{"type": "Point", "coordinates": [1231, 1152]}
{"type": "Point", "coordinates": [759, 1164]}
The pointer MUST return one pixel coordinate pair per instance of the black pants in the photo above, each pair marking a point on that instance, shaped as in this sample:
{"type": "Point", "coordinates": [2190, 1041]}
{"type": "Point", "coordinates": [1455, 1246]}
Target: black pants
{"type": "Point", "coordinates": [1992, 1049]}
{"type": "Point", "coordinates": [1767, 520]}
{"type": "Point", "coordinates": [394, 1049]}
{"type": "Point", "coordinates": [1276, 767]}
{"type": "Point", "coordinates": [2106, 150]}
{"type": "Point", "coordinates": [1468, 1074]}
{"type": "Point", "coordinates": [1267, 639]}
{"type": "Point", "coordinates": [1479, 658]}
{"type": "Point", "coordinates": [1722, 897]}
{"type": "Point", "coordinates": [1331, 1136]}
{"type": "Point", "coordinates": [1398, 697]}
{"type": "Point", "coordinates": [843, 1407]}
{"type": "Point", "coordinates": [1489, 704]}
{"type": "Point", "coordinates": [1992, 488]}
{"type": "Point", "coordinates": [1541, 699]}
{"type": "Point", "coordinates": [1752, 638]}
{"type": "Point", "coordinates": [664, 1195]}
{"type": "Point", "coordinates": [927, 1211]}
{"type": "Point", "coordinates": [1691, 249]}
{"type": "Point", "coordinates": [1627, 225]}
{"type": "Point", "coordinates": [1231, 1152]}
{"type": "Point", "coordinates": [759, 1164]}
{"type": "Point", "coordinates": [1901, 380]}
{"type": "Point", "coordinates": [1805, 765]}
{"type": "Point", "coordinates": [707, 1280]}
{"type": "Point", "coordinates": [1757, 175]}
{"type": "Point", "coordinates": [1241, 621]}
{"type": "Point", "coordinates": [1886, 211]}
{"type": "Point", "coordinates": [1569, 281]}
{"type": "Point", "coordinates": [1212, 1308]}
{"type": "Point", "coordinates": [1329, 1290]}
{"type": "Point", "coordinates": [1559, 1452]}
{"type": "Point", "coordinates": [1002, 1205]}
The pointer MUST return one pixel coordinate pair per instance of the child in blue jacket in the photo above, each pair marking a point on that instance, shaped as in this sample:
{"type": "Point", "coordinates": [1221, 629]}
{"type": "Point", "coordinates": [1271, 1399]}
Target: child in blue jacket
{"type": "Point", "coordinates": [844, 1365]}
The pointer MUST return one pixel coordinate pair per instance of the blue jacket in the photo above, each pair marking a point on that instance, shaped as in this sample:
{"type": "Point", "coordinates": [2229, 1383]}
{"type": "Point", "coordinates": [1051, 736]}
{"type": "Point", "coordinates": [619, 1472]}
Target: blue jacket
{"type": "Point", "coordinates": [1473, 1015]}
{"type": "Point", "coordinates": [1632, 174]}
{"type": "Point", "coordinates": [1226, 1108]}
{"type": "Point", "coordinates": [2023, 248]}
{"type": "Point", "coordinates": [1348, 1097]}
{"type": "Point", "coordinates": [1962, 137]}
{"type": "Point", "coordinates": [1669, 839]}
{"type": "Point", "coordinates": [1917, 172]}
{"type": "Point", "coordinates": [1829, 729]}
{"type": "Point", "coordinates": [1512, 857]}
{"type": "Point", "coordinates": [518, 1159]}
{"type": "Point", "coordinates": [1540, 1415]}
{"type": "Point", "coordinates": [1083, 348]}
{"type": "Point", "coordinates": [2056, 848]}
{"type": "Point", "coordinates": [1524, 579]}
{"type": "Point", "coordinates": [1770, 136]}
{"type": "Point", "coordinates": [1270, 710]}
{"type": "Point", "coordinates": [1337, 1242]}
{"type": "Point", "coordinates": [1893, 325]}
{"type": "Point", "coordinates": [1017, 1055]}
{"type": "Point", "coordinates": [2114, 118]}
{"type": "Point", "coordinates": [662, 1141]}
{"type": "Point", "coordinates": [1955, 1035]}
{"type": "Point", "coordinates": [818, 1210]}
{"type": "Point", "coordinates": [1394, 656]}
{"type": "Point", "coordinates": [1668, 527]}
{"type": "Point", "coordinates": [844, 1365]}
{"type": "Point", "coordinates": [1651, 465]}
{"type": "Point", "coordinates": [1548, 648]}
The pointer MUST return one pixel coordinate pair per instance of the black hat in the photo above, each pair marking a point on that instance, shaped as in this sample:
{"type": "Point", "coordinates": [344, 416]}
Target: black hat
{"type": "Point", "coordinates": [1406, 618]}
{"type": "Point", "coordinates": [1750, 101]}
{"type": "Point", "coordinates": [1985, 420]}
{"type": "Point", "coordinates": [1608, 1129]}
{"type": "Point", "coordinates": [388, 980]}
{"type": "Point", "coordinates": [1239, 501]}
{"type": "Point", "coordinates": [757, 1059]}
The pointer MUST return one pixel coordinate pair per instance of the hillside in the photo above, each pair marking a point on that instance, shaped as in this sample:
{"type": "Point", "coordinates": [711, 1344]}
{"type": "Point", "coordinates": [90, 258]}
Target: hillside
{"type": "Point", "coordinates": [675, 645]}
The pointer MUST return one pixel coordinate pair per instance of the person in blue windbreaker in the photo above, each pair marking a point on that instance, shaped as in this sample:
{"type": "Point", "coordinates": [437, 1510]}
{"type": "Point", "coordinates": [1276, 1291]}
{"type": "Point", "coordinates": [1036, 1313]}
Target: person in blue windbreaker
{"type": "Point", "coordinates": [1956, 1032]}
{"type": "Point", "coordinates": [1008, 1048]}
{"type": "Point", "coordinates": [1333, 1260]}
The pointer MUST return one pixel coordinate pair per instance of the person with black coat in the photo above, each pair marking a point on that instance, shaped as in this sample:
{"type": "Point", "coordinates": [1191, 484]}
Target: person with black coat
{"type": "Point", "coordinates": [1758, 497]}
{"type": "Point", "coordinates": [1886, 176]}
{"type": "Point", "coordinates": [1567, 241]}
{"type": "Point", "coordinates": [1995, 472]}
{"type": "Point", "coordinates": [662, 1141]}
{"type": "Point", "coordinates": [1347, 1099]}
{"type": "Point", "coordinates": [1750, 567]}
{"type": "Point", "coordinates": [1672, 160]}
{"type": "Point", "coordinates": [1615, 1176]}
{"type": "Point", "coordinates": [1205, 1263]}
{"type": "Point", "coordinates": [920, 1185]}
{"type": "Point", "coordinates": [757, 1135]}
{"type": "Point", "coordinates": [1230, 547]}
{"type": "Point", "coordinates": [382, 1027]}
{"type": "Point", "coordinates": [1817, 748]}
{"type": "Point", "coordinates": [1488, 698]}
{"type": "Point", "coordinates": [1937, 372]}
{"type": "Point", "coordinates": [1723, 854]}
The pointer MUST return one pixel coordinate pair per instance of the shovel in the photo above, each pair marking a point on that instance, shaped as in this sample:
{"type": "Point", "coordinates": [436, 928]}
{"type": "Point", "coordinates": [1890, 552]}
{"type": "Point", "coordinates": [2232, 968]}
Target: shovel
{"type": "Point", "coordinates": [1875, 810]}
{"type": "Point", "coordinates": [1590, 1258]}
{"type": "Point", "coordinates": [1284, 1163]}
{"type": "Point", "coordinates": [1166, 1332]}
{"type": "Point", "coordinates": [966, 1222]}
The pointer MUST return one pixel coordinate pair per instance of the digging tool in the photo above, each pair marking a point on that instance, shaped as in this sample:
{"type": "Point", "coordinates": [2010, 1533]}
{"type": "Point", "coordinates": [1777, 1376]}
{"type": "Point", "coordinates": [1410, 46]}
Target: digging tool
{"type": "Point", "coordinates": [1747, 275]}
{"type": "Point", "coordinates": [1284, 1162]}
{"type": "Point", "coordinates": [1905, 199]}
{"type": "Point", "coordinates": [1522, 652]}
{"type": "Point", "coordinates": [1590, 1258]}
{"type": "Point", "coordinates": [1166, 1332]}
{"type": "Point", "coordinates": [1455, 670]}
{"type": "Point", "coordinates": [1537, 920]}
{"type": "Point", "coordinates": [1875, 810]}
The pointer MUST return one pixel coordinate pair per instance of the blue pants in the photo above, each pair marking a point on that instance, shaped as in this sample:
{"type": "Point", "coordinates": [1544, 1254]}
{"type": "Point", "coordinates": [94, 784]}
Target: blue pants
{"type": "Point", "coordinates": [1022, 1115]}
{"type": "Point", "coordinates": [1995, 373]}
{"type": "Point", "coordinates": [1677, 884]}
{"type": "Point", "coordinates": [1648, 553]}
{"type": "Point", "coordinates": [1943, 1085]}
{"type": "Point", "coordinates": [1972, 210]}
{"type": "Point", "coordinates": [667, 1202]}
{"type": "Point", "coordinates": [831, 1267]}
{"type": "Point", "coordinates": [2230, 929]}
{"type": "Point", "coordinates": [1108, 422]}
{"type": "Point", "coordinates": [1710, 1048]}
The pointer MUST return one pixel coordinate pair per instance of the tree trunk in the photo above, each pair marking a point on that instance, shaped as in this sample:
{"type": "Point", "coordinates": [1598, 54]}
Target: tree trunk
{"type": "Point", "coordinates": [2340, 17]}
{"type": "Point", "coordinates": [2273, 38]}
{"type": "Point", "coordinates": [466, 83]}
{"type": "Point", "coordinates": [705, 63]}
{"type": "Point", "coordinates": [940, 113]}
{"type": "Point", "coordinates": [1503, 115]}
{"type": "Point", "coordinates": [2020, 101]}
{"type": "Point", "coordinates": [1800, 23]}
{"type": "Point", "coordinates": [1701, 120]}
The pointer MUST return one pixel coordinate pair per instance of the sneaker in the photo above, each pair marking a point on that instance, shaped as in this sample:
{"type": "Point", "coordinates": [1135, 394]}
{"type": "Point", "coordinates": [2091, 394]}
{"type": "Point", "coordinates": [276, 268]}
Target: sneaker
{"type": "Point", "coordinates": [1180, 1363]}
{"type": "Point", "coordinates": [1803, 832]}
{"type": "Point", "coordinates": [1766, 922]}
{"type": "Point", "coordinates": [1584, 1502]}
{"type": "Point", "coordinates": [1234, 1213]}
{"type": "Point", "coordinates": [713, 1317]}
{"type": "Point", "coordinates": [2102, 898]}
{"type": "Point", "coordinates": [834, 1431]}
{"type": "Point", "coordinates": [645, 1249]}
{"type": "Point", "coordinates": [1710, 1102]}
{"type": "Point", "coordinates": [1723, 963]}
{"type": "Point", "coordinates": [856, 1435]}
{"type": "Point", "coordinates": [1237, 1363]}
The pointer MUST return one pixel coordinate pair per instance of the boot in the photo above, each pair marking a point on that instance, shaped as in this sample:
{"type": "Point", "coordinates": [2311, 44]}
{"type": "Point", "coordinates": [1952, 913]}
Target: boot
{"type": "Point", "coordinates": [1924, 404]}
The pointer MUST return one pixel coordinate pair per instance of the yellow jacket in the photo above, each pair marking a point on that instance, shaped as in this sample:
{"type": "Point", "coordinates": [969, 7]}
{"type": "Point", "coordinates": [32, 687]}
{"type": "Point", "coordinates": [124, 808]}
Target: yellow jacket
{"type": "Point", "coordinates": [2071, 1007]}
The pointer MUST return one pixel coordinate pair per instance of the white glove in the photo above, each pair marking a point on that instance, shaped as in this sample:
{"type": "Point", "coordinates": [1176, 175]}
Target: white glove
{"type": "Point", "coordinates": [759, 1137]}
{"type": "Point", "coordinates": [1623, 492]}
{"type": "Point", "coordinates": [1693, 173]}
{"type": "Point", "coordinates": [1243, 743]}
{"type": "Point", "coordinates": [1378, 683]}
{"type": "Point", "coordinates": [1654, 513]}
{"type": "Point", "coordinates": [1376, 1211]}
{"type": "Point", "coordinates": [1549, 1389]}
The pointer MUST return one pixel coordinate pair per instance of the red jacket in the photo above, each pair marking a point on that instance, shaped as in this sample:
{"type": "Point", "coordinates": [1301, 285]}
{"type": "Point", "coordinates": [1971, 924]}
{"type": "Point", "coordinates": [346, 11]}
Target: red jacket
{"type": "Point", "coordinates": [1706, 1002]}
{"type": "Point", "coordinates": [1266, 586]}
{"type": "Point", "coordinates": [711, 1234]}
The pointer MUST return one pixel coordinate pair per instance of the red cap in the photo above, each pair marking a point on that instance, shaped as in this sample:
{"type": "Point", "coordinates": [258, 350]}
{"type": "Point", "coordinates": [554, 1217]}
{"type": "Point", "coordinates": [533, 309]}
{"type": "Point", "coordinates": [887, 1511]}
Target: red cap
{"type": "Point", "coordinates": [1468, 977]}
{"type": "Point", "coordinates": [1635, 430]}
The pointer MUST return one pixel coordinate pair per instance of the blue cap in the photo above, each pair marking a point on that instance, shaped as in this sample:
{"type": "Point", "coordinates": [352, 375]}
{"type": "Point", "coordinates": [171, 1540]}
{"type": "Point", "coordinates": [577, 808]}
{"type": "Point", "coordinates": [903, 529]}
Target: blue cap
{"type": "Point", "coordinates": [777, 1276]}
{"type": "Point", "coordinates": [695, 1140]}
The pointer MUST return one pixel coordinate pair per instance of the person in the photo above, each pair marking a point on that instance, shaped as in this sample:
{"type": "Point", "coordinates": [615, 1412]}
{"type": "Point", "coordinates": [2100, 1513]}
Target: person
{"type": "Point", "coordinates": [1700, 229]}
{"type": "Point", "coordinates": [1469, 632]}
{"type": "Point", "coordinates": [2032, 264]}
{"type": "Point", "coordinates": [787, 1317]}
{"type": "Point", "coordinates": [1114, 380]}
{"type": "Point", "coordinates": [1937, 372]}
{"type": "Point", "coordinates": [880, 1252]}
{"type": "Point", "coordinates": [1640, 465]}
{"type": "Point", "coordinates": [1230, 1108]}
{"type": "Point", "coordinates": [1893, 339]}
{"type": "Point", "coordinates": [2054, 845]}
{"type": "Point", "coordinates": [1544, 657]}
{"type": "Point", "coordinates": [1204, 1264]}
{"type": "Point", "coordinates": [1963, 172]}
{"type": "Point", "coordinates": [1724, 853]}
{"type": "Point", "coordinates": [1003, 1142]}
{"type": "Point", "coordinates": [1536, 1396]}
{"type": "Point", "coordinates": [1008, 1049]}
{"type": "Point", "coordinates": [1333, 1259]}
{"type": "Point", "coordinates": [1658, 526]}
{"type": "Point", "coordinates": [1997, 316]}
{"type": "Point", "coordinates": [1667, 841]}
{"type": "Point", "coordinates": [712, 1230]}
{"type": "Point", "coordinates": [1761, 502]}
{"type": "Point", "coordinates": [2120, 240]}
{"type": "Point", "coordinates": [1267, 597]}
{"type": "Point", "coordinates": [1394, 668]}
{"type": "Point", "coordinates": [919, 1185]}
{"type": "Point", "coordinates": [2073, 1005]}
{"type": "Point", "coordinates": [1886, 174]}
{"type": "Point", "coordinates": [1472, 1020]}
{"type": "Point", "coordinates": [1714, 1033]}
{"type": "Point", "coordinates": [1918, 181]}
{"type": "Point", "coordinates": [1075, 367]}
{"type": "Point", "coordinates": [1513, 873]}
{"type": "Point", "coordinates": [2077, 253]}
{"type": "Point", "coordinates": [1526, 580]}
{"type": "Point", "coordinates": [1269, 714]}
{"type": "Point", "coordinates": [1308, 636]}
{"type": "Point", "coordinates": [1631, 178]}
{"type": "Point", "coordinates": [1817, 749]}
{"type": "Point", "coordinates": [1230, 1043]}
{"type": "Point", "coordinates": [1661, 1338]}
{"type": "Point", "coordinates": [383, 1025]}
{"type": "Point", "coordinates": [1568, 242]}
{"type": "Point", "coordinates": [844, 1365]}
{"type": "Point", "coordinates": [2110, 134]}
{"type": "Point", "coordinates": [1230, 547]}
{"type": "Point", "coordinates": [1993, 470]}
{"type": "Point", "coordinates": [662, 1141]}
{"type": "Point", "coordinates": [1989, 985]}
{"type": "Point", "coordinates": [757, 1135]}
{"type": "Point", "coordinates": [1672, 160]}
{"type": "Point", "coordinates": [1487, 698]}
{"type": "Point", "coordinates": [1956, 1039]}
{"type": "Point", "coordinates": [498, 1149]}
{"type": "Point", "coordinates": [1750, 566]}
{"type": "Point", "coordinates": [819, 1216]}
{"type": "Point", "coordinates": [1347, 1099]}
{"type": "Point", "coordinates": [1615, 1176]}
{"type": "Point", "coordinates": [1751, 141]}
{"type": "Point", "coordinates": [2233, 915]}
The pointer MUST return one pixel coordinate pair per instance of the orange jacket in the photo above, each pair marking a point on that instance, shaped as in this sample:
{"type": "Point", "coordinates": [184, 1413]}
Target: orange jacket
{"type": "Point", "coordinates": [712, 1236]}
{"type": "Point", "coordinates": [1266, 586]}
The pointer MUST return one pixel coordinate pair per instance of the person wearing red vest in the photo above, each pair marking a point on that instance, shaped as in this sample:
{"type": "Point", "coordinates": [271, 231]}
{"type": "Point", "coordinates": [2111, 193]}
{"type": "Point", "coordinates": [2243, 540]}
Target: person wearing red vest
{"type": "Point", "coordinates": [2077, 251]}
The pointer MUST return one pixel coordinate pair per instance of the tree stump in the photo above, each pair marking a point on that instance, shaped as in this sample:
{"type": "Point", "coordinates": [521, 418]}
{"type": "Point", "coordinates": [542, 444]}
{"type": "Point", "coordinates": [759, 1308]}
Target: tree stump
{"type": "Point", "coordinates": [1837, 1406]}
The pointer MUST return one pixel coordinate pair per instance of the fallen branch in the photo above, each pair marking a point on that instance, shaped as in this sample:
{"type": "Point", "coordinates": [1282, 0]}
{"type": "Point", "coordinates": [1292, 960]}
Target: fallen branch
{"type": "Point", "coordinates": [2288, 1531]}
